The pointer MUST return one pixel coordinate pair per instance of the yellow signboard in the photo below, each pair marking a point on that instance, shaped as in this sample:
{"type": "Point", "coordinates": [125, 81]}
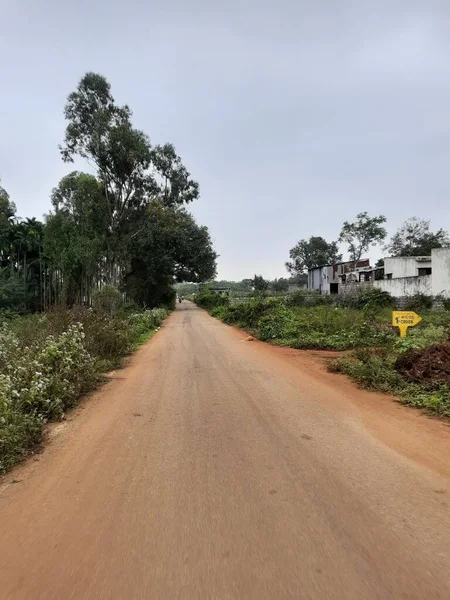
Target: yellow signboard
{"type": "Point", "coordinates": [404, 319]}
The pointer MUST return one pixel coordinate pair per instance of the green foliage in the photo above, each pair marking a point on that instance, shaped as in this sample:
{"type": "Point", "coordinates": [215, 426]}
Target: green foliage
{"type": "Point", "coordinates": [38, 382]}
{"type": "Point", "coordinates": [260, 285]}
{"type": "Point", "coordinates": [314, 252]}
{"type": "Point", "coordinates": [414, 238]}
{"type": "Point", "coordinates": [142, 323]}
{"type": "Point", "coordinates": [13, 292]}
{"type": "Point", "coordinates": [361, 234]}
{"type": "Point", "coordinates": [419, 302]}
{"type": "Point", "coordinates": [421, 337]}
{"type": "Point", "coordinates": [131, 172]}
{"type": "Point", "coordinates": [375, 371]}
{"type": "Point", "coordinates": [372, 299]}
{"type": "Point", "coordinates": [325, 326]}
{"type": "Point", "coordinates": [279, 285]}
{"type": "Point", "coordinates": [171, 246]}
{"type": "Point", "coordinates": [209, 299]}
{"type": "Point", "coordinates": [307, 297]}
{"type": "Point", "coordinates": [20, 258]}
{"type": "Point", "coordinates": [124, 225]}
{"type": "Point", "coordinates": [48, 361]}
{"type": "Point", "coordinates": [435, 402]}
{"type": "Point", "coordinates": [371, 369]}
{"type": "Point", "coordinates": [108, 300]}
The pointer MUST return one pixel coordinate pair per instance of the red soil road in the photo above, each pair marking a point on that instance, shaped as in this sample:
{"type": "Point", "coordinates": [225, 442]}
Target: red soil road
{"type": "Point", "coordinates": [211, 467]}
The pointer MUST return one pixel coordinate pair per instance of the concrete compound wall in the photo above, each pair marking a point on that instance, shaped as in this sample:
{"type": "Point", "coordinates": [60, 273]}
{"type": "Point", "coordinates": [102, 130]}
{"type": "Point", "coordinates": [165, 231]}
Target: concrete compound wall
{"type": "Point", "coordinates": [440, 258]}
{"type": "Point", "coordinates": [406, 286]}
{"type": "Point", "coordinates": [353, 288]}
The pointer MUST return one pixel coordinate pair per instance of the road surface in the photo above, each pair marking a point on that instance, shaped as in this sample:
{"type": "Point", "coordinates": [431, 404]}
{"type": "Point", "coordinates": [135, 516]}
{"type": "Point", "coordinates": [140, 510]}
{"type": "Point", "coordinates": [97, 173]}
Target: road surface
{"type": "Point", "coordinates": [213, 467]}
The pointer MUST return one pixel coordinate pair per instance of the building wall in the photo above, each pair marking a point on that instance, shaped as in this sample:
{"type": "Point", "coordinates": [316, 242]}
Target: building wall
{"type": "Point", "coordinates": [319, 279]}
{"type": "Point", "coordinates": [315, 278]}
{"type": "Point", "coordinates": [405, 266]}
{"type": "Point", "coordinates": [440, 258]}
{"type": "Point", "coordinates": [406, 286]}
{"type": "Point", "coordinates": [353, 288]}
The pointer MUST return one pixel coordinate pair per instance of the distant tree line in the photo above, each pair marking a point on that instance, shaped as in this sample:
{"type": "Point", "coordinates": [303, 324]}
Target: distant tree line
{"type": "Point", "coordinates": [126, 225]}
{"type": "Point", "coordinates": [247, 286]}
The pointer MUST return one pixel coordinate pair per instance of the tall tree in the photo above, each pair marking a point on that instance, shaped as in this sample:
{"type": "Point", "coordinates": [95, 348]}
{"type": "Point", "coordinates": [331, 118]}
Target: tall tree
{"type": "Point", "coordinates": [361, 234]}
{"type": "Point", "coordinates": [280, 285]}
{"type": "Point", "coordinates": [414, 238]}
{"type": "Point", "coordinates": [259, 284]}
{"type": "Point", "coordinates": [171, 247]}
{"type": "Point", "coordinates": [7, 214]}
{"type": "Point", "coordinates": [76, 234]}
{"type": "Point", "coordinates": [311, 253]}
{"type": "Point", "coordinates": [132, 172]}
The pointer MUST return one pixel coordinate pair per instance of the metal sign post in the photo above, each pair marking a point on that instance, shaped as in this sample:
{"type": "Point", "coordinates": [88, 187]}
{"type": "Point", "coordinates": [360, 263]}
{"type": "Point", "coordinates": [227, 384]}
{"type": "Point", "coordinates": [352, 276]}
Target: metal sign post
{"type": "Point", "coordinates": [404, 319]}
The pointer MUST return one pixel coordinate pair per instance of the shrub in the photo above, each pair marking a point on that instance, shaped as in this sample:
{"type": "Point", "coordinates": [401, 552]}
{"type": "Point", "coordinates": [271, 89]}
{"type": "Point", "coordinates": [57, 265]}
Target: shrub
{"type": "Point", "coordinates": [437, 402]}
{"type": "Point", "coordinates": [108, 300]}
{"type": "Point", "coordinates": [376, 371]}
{"type": "Point", "coordinates": [48, 361]}
{"type": "Point", "coordinates": [374, 298]}
{"type": "Point", "coordinates": [143, 322]}
{"type": "Point", "coordinates": [370, 370]}
{"type": "Point", "coordinates": [419, 302]}
{"type": "Point", "coordinates": [247, 314]}
{"type": "Point", "coordinates": [421, 337]}
{"type": "Point", "coordinates": [306, 297]}
{"type": "Point", "coordinates": [208, 299]}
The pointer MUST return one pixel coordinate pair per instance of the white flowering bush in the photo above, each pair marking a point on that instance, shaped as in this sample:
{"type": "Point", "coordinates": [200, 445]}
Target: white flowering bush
{"type": "Point", "coordinates": [143, 322]}
{"type": "Point", "coordinates": [37, 383]}
{"type": "Point", "coordinates": [19, 432]}
{"type": "Point", "coordinates": [48, 361]}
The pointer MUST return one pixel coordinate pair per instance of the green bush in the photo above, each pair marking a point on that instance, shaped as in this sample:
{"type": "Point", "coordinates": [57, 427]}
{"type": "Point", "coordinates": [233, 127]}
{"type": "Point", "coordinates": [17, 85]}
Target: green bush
{"type": "Point", "coordinates": [419, 302]}
{"type": "Point", "coordinates": [306, 297]}
{"type": "Point", "coordinates": [374, 298]}
{"type": "Point", "coordinates": [370, 369]}
{"type": "Point", "coordinates": [371, 299]}
{"type": "Point", "coordinates": [248, 313]}
{"type": "Point", "coordinates": [421, 337]}
{"type": "Point", "coordinates": [108, 300]}
{"type": "Point", "coordinates": [374, 370]}
{"type": "Point", "coordinates": [437, 402]}
{"type": "Point", "coordinates": [141, 323]}
{"type": "Point", "coordinates": [209, 299]}
{"type": "Point", "coordinates": [48, 361]}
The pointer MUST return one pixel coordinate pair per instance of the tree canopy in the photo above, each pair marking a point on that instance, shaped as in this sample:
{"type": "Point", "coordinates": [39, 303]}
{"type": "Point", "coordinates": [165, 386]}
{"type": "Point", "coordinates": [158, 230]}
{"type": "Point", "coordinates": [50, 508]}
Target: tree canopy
{"type": "Point", "coordinates": [125, 225]}
{"type": "Point", "coordinates": [259, 284]}
{"type": "Point", "coordinates": [314, 252]}
{"type": "Point", "coordinates": [361, 234]}
{"type": "Point", "coordinates": [131, 171]}
{"type": "Point", "coordinates": [414, 238]}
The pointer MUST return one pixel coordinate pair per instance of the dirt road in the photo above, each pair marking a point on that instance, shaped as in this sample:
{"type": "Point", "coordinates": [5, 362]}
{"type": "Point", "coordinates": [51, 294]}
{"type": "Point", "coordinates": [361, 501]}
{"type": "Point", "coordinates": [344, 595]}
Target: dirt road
{"type": "Point", "coordinates": [216, 468]}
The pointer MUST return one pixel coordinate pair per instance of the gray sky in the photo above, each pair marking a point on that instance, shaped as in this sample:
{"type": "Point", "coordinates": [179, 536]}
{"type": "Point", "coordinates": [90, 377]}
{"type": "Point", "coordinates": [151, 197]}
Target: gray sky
{"type": "Point", "coordinates": [293, 115]}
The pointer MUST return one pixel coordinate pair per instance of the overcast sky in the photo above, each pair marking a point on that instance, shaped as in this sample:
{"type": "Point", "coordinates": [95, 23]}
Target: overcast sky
{"type": "Point", "coordinates": [293, 115]}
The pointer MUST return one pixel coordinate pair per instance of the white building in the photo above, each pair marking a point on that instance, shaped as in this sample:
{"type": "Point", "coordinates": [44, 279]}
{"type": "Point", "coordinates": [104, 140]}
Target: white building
{"type": "Point", "coordinates": [440, 277]}
{"type": "Point", "coordinates": [328, 279]}
{"type": "Point", "coordinates": [407, 266]}
{"type": "Point", "coordinates": [410, 275]}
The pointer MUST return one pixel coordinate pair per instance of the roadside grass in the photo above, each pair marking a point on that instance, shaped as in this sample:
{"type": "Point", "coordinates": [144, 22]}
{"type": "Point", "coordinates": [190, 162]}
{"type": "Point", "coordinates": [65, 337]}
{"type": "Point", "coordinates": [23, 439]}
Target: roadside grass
{"type": "Point", "coordinates": [378, 373]}
{"type": "Point", "coordinates": [47, 362]}
{"type": "Point", "coordinates": [374, 346]}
